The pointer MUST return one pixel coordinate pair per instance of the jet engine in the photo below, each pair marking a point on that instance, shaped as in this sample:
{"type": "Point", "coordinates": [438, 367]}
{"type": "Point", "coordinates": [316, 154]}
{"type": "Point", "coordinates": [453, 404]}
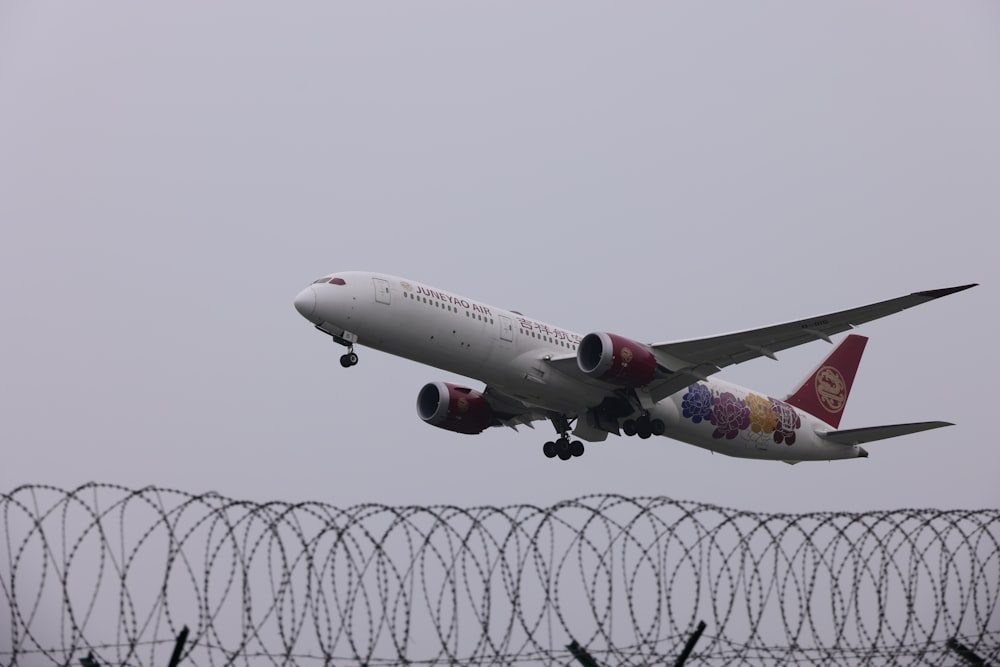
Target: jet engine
{"type": "Point", "coordinates": [616, 359]}
{"type": "Point", "coordinates": [454, 408]}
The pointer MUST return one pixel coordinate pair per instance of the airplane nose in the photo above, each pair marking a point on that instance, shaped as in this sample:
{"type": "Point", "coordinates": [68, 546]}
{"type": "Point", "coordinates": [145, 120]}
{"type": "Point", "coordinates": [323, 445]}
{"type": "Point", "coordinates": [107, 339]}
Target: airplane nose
{"type": "Point", "coordinates": [305, 302]}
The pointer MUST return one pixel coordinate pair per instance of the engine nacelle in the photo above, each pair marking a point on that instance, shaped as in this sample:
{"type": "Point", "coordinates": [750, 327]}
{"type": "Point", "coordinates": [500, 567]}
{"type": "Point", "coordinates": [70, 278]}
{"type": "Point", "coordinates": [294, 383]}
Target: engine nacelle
{"type": "Point", "coordinates": [454, 408]}
{"type": "Point", "coordinates": [616, 359]}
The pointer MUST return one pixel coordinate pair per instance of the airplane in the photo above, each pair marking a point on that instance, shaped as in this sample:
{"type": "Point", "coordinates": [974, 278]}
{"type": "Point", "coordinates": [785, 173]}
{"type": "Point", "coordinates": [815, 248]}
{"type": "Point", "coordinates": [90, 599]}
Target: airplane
{"type": "Point", "coordinates": [603, 383]}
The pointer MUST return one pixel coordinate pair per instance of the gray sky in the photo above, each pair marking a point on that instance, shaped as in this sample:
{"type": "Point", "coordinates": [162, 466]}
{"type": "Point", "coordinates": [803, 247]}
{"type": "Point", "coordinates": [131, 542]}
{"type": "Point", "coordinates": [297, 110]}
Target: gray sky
{"type": "Point", "coordinates": [171, 175]}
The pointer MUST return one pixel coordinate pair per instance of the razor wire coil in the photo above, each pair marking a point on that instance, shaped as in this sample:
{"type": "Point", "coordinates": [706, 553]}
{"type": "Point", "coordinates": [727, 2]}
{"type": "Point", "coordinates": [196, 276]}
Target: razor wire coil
{"type": "Point", "coordinates": [119, 572]}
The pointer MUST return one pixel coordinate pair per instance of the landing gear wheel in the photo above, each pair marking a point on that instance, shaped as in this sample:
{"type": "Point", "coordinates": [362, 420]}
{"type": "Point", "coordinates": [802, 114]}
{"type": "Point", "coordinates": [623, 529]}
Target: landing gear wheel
{"type": "Point", "coordinates": [561, 446]}
{"type": "Point", "coordinates": [348, 360]}
{"type": "Point", "coordinates": [644, 427]}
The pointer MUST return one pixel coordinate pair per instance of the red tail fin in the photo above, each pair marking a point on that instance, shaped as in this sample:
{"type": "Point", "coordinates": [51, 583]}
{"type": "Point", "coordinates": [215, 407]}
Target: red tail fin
{"type": "Point", "coordinates": [824, 393]}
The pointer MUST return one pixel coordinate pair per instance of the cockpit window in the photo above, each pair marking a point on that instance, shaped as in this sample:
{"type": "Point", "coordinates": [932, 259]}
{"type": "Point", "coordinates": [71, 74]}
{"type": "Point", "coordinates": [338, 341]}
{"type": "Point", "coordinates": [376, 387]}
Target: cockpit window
{"type": "Point", "coordinates": [324, 279]}
{"type": "Point", "coordinates": [337, 281]}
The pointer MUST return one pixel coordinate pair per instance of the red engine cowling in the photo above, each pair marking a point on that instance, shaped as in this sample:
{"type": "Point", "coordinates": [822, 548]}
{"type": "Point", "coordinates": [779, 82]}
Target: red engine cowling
{"type": "Point", "coordinates": [454, 408]}
{"type": "Point", "coordinates": [616, 359]}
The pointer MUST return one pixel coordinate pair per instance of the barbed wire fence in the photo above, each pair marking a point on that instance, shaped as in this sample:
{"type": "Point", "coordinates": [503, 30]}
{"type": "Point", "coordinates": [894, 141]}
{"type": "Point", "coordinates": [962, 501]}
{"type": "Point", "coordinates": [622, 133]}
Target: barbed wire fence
{"type": "Point", "coordinates": [119, 573]}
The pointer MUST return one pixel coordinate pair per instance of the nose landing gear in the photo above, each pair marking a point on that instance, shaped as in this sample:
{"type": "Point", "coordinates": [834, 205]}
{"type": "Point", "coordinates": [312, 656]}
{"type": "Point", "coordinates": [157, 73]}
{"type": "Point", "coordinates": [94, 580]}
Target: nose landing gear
{"type": "Point", "coordinates": [349, 359]}
{"type": "Point", "coordinates": [347, 339]}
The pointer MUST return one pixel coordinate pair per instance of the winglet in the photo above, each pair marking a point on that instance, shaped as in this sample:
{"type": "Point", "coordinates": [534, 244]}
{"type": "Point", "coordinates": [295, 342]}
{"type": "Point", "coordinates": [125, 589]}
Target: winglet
{"type": "Point", "coordinates": [824, 393]}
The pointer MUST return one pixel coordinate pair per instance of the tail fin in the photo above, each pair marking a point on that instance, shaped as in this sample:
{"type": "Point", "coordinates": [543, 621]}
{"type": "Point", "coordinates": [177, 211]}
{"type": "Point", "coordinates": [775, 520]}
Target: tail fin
{"type": "Point", "coordinates": [824, 393]}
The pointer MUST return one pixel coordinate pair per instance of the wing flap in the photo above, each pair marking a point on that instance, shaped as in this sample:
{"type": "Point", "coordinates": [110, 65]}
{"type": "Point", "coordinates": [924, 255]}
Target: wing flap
{"type": "Point", "coordinates": [857, 436]}
{"type": "Point", "coordinates": [511, 411]}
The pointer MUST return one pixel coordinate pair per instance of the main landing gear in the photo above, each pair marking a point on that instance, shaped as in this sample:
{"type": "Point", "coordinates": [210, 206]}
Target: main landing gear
{"type": "Point", "coordinates": [643, 427]}
{"type": "Point", "coordinates": [562, 447]}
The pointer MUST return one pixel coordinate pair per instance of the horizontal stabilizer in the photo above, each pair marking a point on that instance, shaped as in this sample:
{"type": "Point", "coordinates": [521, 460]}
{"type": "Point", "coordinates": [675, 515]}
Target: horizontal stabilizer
{"type": "Point", "coordinates": [857, 436]}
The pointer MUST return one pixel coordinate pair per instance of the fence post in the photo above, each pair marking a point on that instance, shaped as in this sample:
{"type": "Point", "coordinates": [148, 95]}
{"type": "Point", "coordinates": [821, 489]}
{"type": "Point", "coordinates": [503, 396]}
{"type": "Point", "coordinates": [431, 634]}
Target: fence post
{"type": "Point", "coordinates": [689, 646]}
{"type": "Point", "coordinates": [175, 657]}
{"type": "Point", "coordinates": [581, 655]}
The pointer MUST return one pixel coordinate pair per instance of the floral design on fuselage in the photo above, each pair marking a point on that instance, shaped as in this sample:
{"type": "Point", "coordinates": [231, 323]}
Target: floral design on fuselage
{"type": "Point", "coordinates": [762, 417]}
{"type": "Point", "coordinates": [756, 417]}
{"type": "Point", "coordinates": [788, 421]}
{"type": "Point", "coordinates": [730, 415]}
{"type": "Point", "coordinates": [697, 403]}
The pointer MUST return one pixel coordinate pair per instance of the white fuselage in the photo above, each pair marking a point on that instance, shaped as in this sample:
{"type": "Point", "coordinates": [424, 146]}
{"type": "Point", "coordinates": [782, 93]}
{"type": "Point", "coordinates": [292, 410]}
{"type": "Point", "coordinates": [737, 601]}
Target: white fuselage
{"type": "Point", "coordinates": [510, 352]}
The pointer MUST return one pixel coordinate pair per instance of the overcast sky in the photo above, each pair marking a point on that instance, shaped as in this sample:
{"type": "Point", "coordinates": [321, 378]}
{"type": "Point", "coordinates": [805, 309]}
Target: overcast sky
{"type": "Point", "coordinates": [172, 174]}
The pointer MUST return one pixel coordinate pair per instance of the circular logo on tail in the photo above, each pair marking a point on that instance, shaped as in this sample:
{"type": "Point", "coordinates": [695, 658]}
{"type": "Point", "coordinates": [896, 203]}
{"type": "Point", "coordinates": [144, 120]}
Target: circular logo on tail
{"type": "Point", "coordinates": [831, 390]}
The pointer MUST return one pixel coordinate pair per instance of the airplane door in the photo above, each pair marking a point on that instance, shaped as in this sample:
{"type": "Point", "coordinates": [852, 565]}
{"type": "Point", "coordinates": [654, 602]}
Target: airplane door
{"type": "Point", "coordinates": [381, 291]}
{"type": "Point", "coordinates": [506, 329]}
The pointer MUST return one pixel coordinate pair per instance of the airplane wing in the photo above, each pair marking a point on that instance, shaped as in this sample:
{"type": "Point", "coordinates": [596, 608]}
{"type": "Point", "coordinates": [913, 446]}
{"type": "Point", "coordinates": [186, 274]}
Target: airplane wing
{"type": "Point", "coordinates": [513, 412]}
{"type": "Point", "coordinates": [696, 359]}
